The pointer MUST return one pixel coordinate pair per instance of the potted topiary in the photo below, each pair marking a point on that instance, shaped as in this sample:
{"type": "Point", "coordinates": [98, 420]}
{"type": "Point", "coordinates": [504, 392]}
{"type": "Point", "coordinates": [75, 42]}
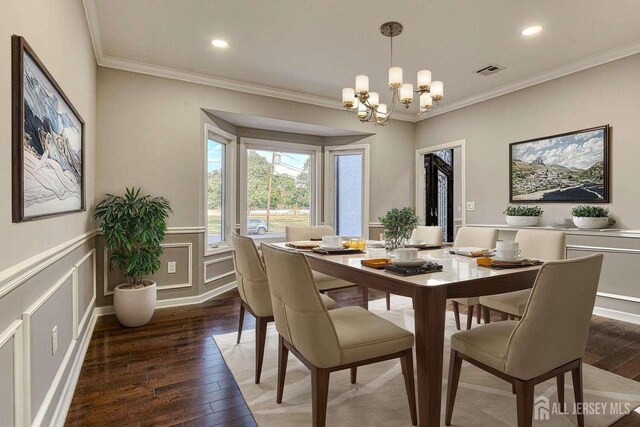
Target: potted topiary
{"type": "Point", "coordinates": [133, 227]}
{"type": "Point", "coordinates": [590, 217]}
{"type": "Point", "coordinates": [398, 225]}
{"type": "Point", "coordinates": [523, 216]}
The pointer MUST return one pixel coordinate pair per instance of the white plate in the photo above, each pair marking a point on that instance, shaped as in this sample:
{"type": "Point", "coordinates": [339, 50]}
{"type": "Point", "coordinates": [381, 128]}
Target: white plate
{"type": "Point", "coordinates": [516, 259]}
{"type": "Point", "coordinates": [409, 264]}
{"type": "Point", "coordinates": [331, 248]}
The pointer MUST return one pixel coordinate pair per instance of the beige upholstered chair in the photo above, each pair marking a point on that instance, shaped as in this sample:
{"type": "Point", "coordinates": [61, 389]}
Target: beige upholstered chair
{"type": "Point", "coordinates": [315, 232]}
{"type": "Point", "coordinates": [431, 235]}
{"type": "Point", "coordinates": [545, 245]}
{"type": "Point", "coordinates": [548, 341]}
{"type": "Point", "coordinates": [327, 341]}
{"type": "Point", "coordinates": [253, 287]}
{"type": "Point", "coordinates": [476, 237]}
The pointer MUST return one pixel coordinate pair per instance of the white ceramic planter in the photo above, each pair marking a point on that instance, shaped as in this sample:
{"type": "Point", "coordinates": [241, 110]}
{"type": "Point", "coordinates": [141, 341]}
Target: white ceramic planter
{"type": "Point", "coordinates": [134, 307]}
{"type": "Point", "coordinates": [523, 221]}
{"type": "Point", "coordinates": [591, 223]}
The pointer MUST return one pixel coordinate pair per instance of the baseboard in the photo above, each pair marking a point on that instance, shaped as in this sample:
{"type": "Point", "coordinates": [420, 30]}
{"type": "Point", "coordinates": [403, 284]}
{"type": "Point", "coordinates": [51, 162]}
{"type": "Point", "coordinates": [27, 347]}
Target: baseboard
{"type": "Point", "coordinates": [617, 315]}
{"type": "Point", "coordinates": [177, 302]}
{"type": "Point", "coordinates": [64, 403]}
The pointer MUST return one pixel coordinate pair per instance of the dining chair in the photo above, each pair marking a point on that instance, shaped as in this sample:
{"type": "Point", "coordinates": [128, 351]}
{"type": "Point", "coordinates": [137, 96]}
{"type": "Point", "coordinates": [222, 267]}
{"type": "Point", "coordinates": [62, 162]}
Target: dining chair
{"type": "Point", "coordinates": [476, 237]}
{"type": "Point", "coordinates": [428, 234]}
{"type": "Point", "coordinates": [253, 287]}
{"type": "Point", "coordinates": [328, 341]}
{"type": "Point", "coordinates": [547, 342]}
{"type": "Point", "coordinates": [544, 245]}
{"type": "Point", "coordinates": [315, 232]}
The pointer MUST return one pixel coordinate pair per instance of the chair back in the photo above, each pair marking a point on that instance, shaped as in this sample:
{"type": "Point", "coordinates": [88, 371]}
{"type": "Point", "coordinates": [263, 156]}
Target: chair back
{"type": "Point", "coordinates": [555, 324]}
{"type": "Point", "coordinates": [476, 237]}
{"type": "Point", "coordinates": [431, 235]}
{"type": "Point", "coordinates": [546, 245]}
{"type": "Point", "coordinates": [300, 316]}
{"type": "Point", "coordinates": [310, 232]}
{"type": "Point", "coordinates": [251, 276]}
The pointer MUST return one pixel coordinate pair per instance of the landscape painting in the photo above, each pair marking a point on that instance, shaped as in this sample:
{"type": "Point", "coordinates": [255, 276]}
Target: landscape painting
{"type": "Point", "coordinates": [47, 142]}
{"type": "Point", "coordinates": [570, 168]}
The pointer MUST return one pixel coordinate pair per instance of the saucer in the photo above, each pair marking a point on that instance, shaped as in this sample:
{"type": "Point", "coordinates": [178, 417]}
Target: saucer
{"type": "Point", "coordinates": [410, 264]}
{"type": "Point", "coordinates": [330, 248]}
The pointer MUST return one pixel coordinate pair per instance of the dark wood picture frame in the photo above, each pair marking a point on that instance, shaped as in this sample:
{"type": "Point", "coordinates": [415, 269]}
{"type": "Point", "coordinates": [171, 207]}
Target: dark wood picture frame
{"type": "Point", "coordinates": [19, 47]}
{"type": "Point", "coordinates": [606, 168]}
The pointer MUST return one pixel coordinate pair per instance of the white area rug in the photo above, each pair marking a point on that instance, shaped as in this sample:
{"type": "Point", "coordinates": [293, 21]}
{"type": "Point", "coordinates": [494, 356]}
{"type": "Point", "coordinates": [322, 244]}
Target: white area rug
{"type": "Point", "coordinates": [379, 398]}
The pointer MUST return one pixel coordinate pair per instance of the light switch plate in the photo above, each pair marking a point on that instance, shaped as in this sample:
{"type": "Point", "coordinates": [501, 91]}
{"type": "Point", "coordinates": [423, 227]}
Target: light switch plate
{"type": "Point", "coordinates": [171, 267]}
{"type": "Point", "coordinates": [471, 206]}
{"type": "Point", "coordinates": [54, 340]}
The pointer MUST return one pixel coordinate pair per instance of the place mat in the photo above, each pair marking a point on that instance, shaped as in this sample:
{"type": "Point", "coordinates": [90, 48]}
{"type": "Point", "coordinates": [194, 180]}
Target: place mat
{"type": "Point", "coordinates": [428, 267]}
{"type": "Point", "coordinates": [500, 265]}
{"type": "Point", "coordinates": [377, 263]}
{"type": "Point", "coordinates": [423, 246]}
{"type": "Point", "coordinates": [471, 254]}
{"type": "Point", "coordinates": [337, 251]}
{"type": "Point", "coordinates": [304, 244]}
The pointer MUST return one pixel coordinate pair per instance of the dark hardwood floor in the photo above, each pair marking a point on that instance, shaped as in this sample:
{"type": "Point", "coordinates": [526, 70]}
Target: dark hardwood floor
{"type": "Point", "coordinates": [170, 372]}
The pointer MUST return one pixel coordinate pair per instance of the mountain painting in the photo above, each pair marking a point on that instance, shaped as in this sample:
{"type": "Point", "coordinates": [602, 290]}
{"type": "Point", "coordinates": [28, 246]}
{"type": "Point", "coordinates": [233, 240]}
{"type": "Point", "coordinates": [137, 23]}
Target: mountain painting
{"type": "Point", "coordinates": [569, 168]}
{"type": "Point", "coordinates": [49, 180]}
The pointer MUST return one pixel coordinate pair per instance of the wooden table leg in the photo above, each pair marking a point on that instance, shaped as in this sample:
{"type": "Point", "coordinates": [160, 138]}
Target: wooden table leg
{"type": "Point", "coordinates": [430, 306]}
{"type": "Point", "coordinates": [365, 296]}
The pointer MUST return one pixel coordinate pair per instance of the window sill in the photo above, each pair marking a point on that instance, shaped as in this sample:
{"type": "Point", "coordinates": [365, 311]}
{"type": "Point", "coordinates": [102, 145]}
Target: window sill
{"type": "Point", "coordinates": [216, 251]}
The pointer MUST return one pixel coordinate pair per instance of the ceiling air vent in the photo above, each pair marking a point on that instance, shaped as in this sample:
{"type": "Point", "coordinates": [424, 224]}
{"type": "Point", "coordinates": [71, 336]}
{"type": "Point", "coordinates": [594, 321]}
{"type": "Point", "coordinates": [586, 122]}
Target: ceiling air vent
{"type": "Point", "coordinates": [489, 69]}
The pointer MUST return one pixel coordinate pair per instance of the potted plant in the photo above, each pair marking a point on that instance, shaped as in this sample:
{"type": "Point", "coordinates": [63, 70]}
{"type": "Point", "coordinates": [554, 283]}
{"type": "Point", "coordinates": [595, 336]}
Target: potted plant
{"type": "Point", "coordinates": [590, 217]}
{"type": "Point", "coordinates": [133, 227]}
{"type": "Point", "coordinates": [523, 216]}
{"type": "Point", "coordinates": [398, 225]}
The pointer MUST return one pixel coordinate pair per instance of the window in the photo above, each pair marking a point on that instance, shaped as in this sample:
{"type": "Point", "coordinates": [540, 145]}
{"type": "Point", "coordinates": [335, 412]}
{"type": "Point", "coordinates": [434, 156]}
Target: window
{"type": "Point", "coordinates": [278, 187]}
{"type": "Point", "coordinates": [347, 171]}
{"type": "Point", "coordinates": [219, 195]}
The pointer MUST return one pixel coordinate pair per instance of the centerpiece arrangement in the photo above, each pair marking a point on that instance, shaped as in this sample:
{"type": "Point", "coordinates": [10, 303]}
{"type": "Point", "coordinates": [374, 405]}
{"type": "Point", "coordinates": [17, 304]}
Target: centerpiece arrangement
{"type": "Point", "coordinates": [590, 217]}
{"type": "Point", "coordinates": [523, 216]}
{"type": "Point", "coordinates": [398, 225]}
{"type": "Point", "coordinates": [133, 227]}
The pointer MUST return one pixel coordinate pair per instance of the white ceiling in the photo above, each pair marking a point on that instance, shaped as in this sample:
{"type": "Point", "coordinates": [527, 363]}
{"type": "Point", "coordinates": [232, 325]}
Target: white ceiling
{"type": "Point", "coordinates": [309, 50]}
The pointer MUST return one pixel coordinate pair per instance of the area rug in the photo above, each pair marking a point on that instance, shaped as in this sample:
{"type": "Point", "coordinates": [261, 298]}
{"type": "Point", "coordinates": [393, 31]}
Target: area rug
{"type": "Point", "coordinates": [379, 398]}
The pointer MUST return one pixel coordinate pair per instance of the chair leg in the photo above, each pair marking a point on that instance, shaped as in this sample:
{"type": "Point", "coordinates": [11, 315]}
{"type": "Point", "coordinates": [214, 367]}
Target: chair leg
{"type": "Point", "coordinates": [469, 316]}
{"type": "Point", "coordinates": [576, 375]}
{"type": "Point", "coordinates": [479, 313]}
{"type": "Point", "coordinates": [354, 374]}
{"type": "Point", "coordinates": [486, 313]}
{"type": "Point", "coordinates": [560, 383]}
{"type": "Point", "coordinates": [388, 301]}
{"type": "Point", "coordinates": [455, 364]}
{"type": "Point", "coordinates": [524, 398]}
{"type": "Point", "coordinates": [406, 362]}
{"type": "Point", "coordinates": [456, 314]}
{"type": "Point", "coordinates": [261, 337]}
{"type": "Point", "coordinates": [319, 394]}
{"type": "Point", "coordinates": [240, 323]}
{"type": "Point", "coordinates": [504, 316]}
{"type": "Point", "coordinates": [283, 355]}
{"type": "Point", "coordinates": [365, 296]}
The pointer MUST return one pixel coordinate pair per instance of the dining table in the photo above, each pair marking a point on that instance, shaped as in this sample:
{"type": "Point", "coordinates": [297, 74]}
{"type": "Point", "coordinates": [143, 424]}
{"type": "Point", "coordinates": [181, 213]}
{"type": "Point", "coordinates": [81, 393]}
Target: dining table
{"type": "Point", "coordinates": [460, 277]}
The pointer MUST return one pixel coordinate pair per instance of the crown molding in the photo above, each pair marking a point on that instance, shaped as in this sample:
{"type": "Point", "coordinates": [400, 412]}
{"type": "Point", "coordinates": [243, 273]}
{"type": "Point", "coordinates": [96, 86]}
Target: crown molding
{"type": "Point", "coordinates": [573, 67]}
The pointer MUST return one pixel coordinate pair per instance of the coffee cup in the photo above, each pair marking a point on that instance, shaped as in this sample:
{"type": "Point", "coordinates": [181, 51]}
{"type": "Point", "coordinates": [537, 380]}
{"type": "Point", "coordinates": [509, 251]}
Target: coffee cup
{"type": "Point", "coordinates": [406, 254]}
{"type": "Point", "coordinates": [331, 241]}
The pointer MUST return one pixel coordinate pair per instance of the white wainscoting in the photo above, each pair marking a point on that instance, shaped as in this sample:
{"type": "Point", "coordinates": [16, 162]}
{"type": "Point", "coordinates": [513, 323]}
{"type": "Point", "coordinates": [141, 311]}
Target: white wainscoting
{"type": "Point", "coordinates": [219, 276]}
{"type": "Point", "coordinates": [14, 334]}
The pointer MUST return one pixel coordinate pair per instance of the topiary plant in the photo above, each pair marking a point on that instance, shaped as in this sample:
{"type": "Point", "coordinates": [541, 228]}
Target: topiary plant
{"type": "Point", "coordinates": [584, 211]}
{"type": "Point", "coordinates": [133, 227]}
{"type": "Point", "coordinates": [523, 211]}
{"type": "Point", "coordinates": [398, 225]}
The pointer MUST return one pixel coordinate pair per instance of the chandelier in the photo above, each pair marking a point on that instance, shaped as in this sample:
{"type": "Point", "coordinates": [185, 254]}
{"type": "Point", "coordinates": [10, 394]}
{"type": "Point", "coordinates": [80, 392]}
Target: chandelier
{"type": "Point", "coordinates": [368, 105]}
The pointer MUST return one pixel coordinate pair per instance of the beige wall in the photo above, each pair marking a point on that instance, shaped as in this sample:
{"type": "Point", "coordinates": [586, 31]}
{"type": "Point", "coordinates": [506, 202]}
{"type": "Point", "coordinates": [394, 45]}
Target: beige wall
{"type": "Point", "coordinates": [150, 135]}
{"type": "Point", "coordinates": [57, 31]}
{"type": "Point", "coordinates": [607, 94]}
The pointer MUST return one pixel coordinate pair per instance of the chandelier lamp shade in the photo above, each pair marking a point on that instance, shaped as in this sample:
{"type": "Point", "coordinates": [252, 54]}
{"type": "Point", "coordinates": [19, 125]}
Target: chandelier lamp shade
{"type": "Point", "coordinates": [368, 105]}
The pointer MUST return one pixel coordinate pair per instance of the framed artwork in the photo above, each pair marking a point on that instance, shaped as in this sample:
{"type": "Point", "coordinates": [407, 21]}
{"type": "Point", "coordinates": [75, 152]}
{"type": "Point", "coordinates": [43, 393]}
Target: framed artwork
{"type": "Point", "coordinates": [571, 167]}
{"type": "Point", "coordinates": [48, 141]}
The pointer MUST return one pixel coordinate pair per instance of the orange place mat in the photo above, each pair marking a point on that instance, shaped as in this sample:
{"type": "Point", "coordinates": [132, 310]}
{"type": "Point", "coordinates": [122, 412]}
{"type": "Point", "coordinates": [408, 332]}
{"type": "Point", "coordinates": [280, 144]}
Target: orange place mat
{"type": "Point", "coordinates": [377, 263]}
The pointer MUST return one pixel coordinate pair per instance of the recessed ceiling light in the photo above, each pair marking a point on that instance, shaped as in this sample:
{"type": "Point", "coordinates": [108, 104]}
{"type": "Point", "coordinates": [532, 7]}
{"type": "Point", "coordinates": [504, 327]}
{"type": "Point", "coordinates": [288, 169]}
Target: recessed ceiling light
{"type": "Point", "coordinates": [219, 43]}
{"type": "Point", "coordinates": [529, 31]}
